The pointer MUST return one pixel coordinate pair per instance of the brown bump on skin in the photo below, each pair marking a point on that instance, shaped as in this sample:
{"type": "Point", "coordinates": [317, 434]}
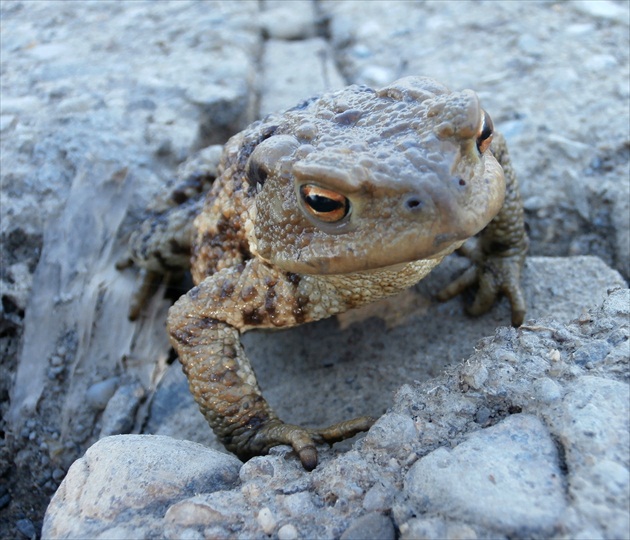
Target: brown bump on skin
{"type": "Point", "coordinates": [206, 322]}
{"type": "Point", "coordinates": [230, 378]}
{"type": "Point", "coordinates": [252, 317]}
{"type": "Point", "coordinates": [180, 336]}
{"type": "Point", "coordinates": [227, 289]}
{"type": "Point", "coordinates": [193, 294]}
{"type": "Point", "coordinates": [298, 309]}
{"type": "Point", "coordinates": [249, 293]}
{"type": "Point", "coordinates": [270, 302]}
{"type": "Point", "coordinates": [189, 331]}
{"type": "Point", "coordinates": [294, 279]}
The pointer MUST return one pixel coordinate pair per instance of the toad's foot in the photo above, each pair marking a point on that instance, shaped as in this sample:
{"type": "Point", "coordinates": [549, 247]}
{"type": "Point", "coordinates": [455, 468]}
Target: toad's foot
{"type": "Point", "coordinates": [303, 440]}
{"type": "Point", "coordinates": [493, 274]}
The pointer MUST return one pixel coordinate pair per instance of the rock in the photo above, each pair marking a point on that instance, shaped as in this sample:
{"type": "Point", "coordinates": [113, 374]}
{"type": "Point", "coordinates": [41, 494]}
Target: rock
{"type": "Point", "coordinates": [266, 521]}
{"type": "Point", "coordinates": [101, 392]}
{"type": "Point", "coordinates": [124, 482]}
{"type": "Point", "coordinates": [375, 526]}
{"type": "Point", "coordinates": [506, 477]}
{"type": "Point", "coordinates": [26, 528]}
{"type": "Point", "coordinates": [519, 440]}
{"type": "Point", "coordinates": [618, 303]}
{"type": "Point", "coordinates": [619, 217]}
{"type": "Point", "coordinates": [119, 414]}
{"type": "Point", "coordinates": [604, 9]}
{"type": "Point", "coordinates": [594, 420]}
{"type": "Point", "coordinates": [287, 532]}
{"type": "Point", "coordinates": [281, 20]}
{"type": "Point", "coordinates": [438, 529]}
{"type": "Point", "coordinates": [286, 83]}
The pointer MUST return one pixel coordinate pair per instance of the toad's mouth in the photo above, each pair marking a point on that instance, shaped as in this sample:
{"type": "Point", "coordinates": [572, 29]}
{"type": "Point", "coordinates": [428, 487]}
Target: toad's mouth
{"type": "Point", "coordinates": [394, 255]}
{"type": "Point", "coordinates": [395, 224]}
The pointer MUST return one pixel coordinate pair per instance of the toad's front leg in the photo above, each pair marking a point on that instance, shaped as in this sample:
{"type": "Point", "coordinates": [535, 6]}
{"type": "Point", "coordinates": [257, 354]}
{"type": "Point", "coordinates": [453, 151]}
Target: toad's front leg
{"type": "Point", "coordinates": [203, 326]}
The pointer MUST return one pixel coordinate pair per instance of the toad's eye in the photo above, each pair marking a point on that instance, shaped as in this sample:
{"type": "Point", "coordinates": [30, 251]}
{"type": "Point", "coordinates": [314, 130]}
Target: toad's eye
{"type": "Point", "coordinates": [484, 136]}
{"type": "Point", "coordinates": [324, 204]}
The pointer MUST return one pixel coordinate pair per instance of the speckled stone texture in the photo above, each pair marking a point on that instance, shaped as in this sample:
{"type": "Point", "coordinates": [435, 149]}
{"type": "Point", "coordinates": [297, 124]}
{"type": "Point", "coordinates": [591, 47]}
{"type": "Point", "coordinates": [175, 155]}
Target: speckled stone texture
{"type": "Point", "coordinates": [528, 437]}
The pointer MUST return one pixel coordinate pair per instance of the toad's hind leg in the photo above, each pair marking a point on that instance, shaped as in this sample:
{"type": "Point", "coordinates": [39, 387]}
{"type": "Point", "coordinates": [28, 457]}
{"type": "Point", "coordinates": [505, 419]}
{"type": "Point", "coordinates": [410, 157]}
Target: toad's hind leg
{"type": "Point", "coordinates": [161, 246]}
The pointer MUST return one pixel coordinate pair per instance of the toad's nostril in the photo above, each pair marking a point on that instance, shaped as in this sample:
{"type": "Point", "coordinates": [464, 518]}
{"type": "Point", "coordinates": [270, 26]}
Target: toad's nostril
{"type": "Point", "coordinates": [413, 203]}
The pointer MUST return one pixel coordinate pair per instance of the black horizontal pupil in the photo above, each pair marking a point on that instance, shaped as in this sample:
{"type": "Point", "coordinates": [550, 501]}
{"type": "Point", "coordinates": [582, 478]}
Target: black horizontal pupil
{"type": "Point", "coordinates": [323, 205]}
{"type": "Point", "coordinates": [487, 128]}
{"type": "Point", "coordinates": [486, 132]}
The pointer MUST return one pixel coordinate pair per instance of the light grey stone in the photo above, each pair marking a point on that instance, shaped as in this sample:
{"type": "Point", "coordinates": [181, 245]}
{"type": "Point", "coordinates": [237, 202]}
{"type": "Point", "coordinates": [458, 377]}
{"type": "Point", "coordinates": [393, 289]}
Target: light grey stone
{"type": "Point", "coordinates": [287, 532]}
{"type": "Point", "coordinates": [379, 497]}
{"type": "Point", "coordinates": [431, 528]}
{"type": "Point", "coordinates": [595, 421]}
{"type": "Point", "coordinates": [391, 432]}
{"type": "Point", "coordinates": [124, 481]}
{"type": "Point", "coordinates": [7, 122]}
{"type": "Point", "coordinates": [506, 476]}
{"type": "Point", "coordinates": [374, 525]}
{"type": "Point", "coordinates": [604, 9]}
{"type": "Point", "coordinates": [101, 392]}
{"type": "Point", "coordinates": [594, 428]}
{"type": "Point", "coordinates": [266, 520]}
{"type": "Point", "coordinates": [617, 303]}
{"type": "Point", "coordinates": [283, 20]}
{"type": "Point", "coordinates": [287, 82]}
{"type": "Point", "coordinates": [120, 411]}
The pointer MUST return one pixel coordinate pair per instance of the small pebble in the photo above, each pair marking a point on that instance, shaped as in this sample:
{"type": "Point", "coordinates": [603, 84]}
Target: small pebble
{"type": "Point", "coordinates": [101, 392]}
{"type": "Point", "coordinates": [58, 475]}
{"type": "Point", "coordinates": [375, 526]}
{"type": "Point", "coordinates": [26, 528]}
{"type": "Point", "coordinates": [56, 360]}
{"type": "Point", "coordinates": [5, 500]}
{"type": "Point", "coordinates": [287, 532]}
{"type": "Point", "coordinates": [266, 520]}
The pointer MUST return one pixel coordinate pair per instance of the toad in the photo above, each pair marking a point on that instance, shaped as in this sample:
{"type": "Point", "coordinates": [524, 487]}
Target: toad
{"type": "Point", "coordinates": [343, 200]}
